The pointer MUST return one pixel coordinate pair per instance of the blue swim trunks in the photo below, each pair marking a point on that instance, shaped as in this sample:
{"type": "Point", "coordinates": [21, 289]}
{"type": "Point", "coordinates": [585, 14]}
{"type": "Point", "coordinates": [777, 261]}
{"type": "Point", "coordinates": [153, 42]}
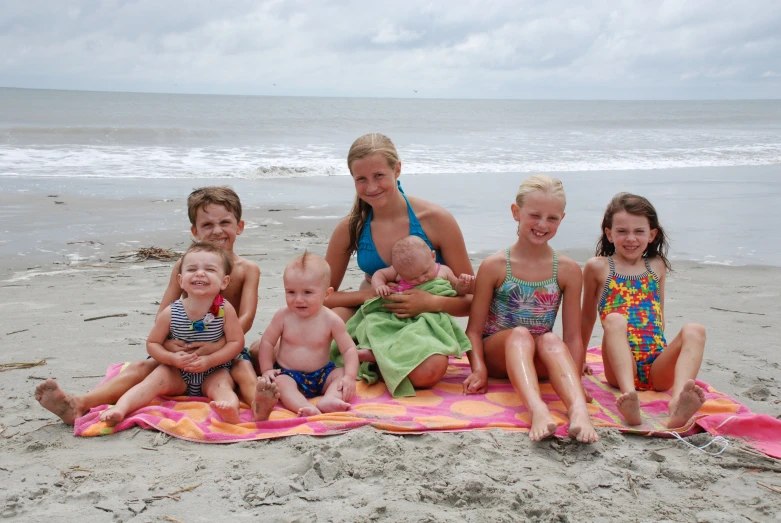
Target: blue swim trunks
{"type": "Point", "coordinates": [310, 383]}
{"type": "Point", "coordinates": [244, 355]}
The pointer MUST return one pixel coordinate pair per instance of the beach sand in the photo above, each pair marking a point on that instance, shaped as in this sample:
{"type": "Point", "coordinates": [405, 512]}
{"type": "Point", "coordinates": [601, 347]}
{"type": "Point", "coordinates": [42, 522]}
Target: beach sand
{"type": "Point", "coordinates": [47, 473]}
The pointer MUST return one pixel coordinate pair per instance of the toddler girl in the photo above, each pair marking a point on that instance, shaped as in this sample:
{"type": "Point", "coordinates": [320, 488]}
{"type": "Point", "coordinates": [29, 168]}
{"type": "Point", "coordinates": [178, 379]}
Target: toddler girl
{"type": "Point", "coordinates": [202, 316]}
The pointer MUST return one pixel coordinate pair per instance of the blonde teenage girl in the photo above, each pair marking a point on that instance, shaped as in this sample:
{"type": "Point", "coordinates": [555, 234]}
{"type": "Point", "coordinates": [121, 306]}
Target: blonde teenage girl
{"type": "Point", "coordinates": [625, 284]}
{"type": "Point", "coordinates": [518, 292]}
{"type": "Point", "coordinates": [381, 216]}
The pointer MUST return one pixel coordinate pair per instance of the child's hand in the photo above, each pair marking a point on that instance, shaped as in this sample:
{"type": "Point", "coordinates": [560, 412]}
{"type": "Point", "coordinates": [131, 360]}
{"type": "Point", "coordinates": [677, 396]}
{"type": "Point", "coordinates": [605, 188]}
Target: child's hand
{"type": "Point", "coordinates": [175, 345]}
{"type": "Point", "coordinates": [586, 369]}
{"type": "Point", "coordinates": [183, 359]}
{"type": "Point", "coordinates": [476, 382]}
{"type": "Point", "coordinates": [347, 386]}
{"type": "Point", "coordinates": [383, 290]}
{"type": "Point", "coordinates": [466, 284]}
{"type": "Point", "coordinates": [271, 374]}
{"type": "Point", "coordinates": [204, 348]}
{"type": "Point", "coordinates": [200, 364]}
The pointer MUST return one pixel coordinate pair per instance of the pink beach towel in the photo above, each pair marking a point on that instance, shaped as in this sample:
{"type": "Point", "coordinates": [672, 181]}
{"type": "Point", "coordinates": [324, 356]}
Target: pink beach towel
{"type": "Point", "coordinates": [442, 408]}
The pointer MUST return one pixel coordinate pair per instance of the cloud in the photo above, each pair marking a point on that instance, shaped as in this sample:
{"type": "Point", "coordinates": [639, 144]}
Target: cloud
{"type": "Point", "coordinates": [507, 49]}
{"type": "Point", "coordinates": [389, 34]}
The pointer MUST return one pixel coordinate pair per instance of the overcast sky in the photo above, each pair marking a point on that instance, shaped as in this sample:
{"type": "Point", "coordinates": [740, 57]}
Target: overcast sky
{"type": "Point", "coordinates": [446, 49]}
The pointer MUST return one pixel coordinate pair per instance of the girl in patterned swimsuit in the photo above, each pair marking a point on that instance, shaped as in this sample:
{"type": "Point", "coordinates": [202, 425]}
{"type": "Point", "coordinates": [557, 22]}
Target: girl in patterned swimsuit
{"type": "Point", "coordinates": [413, 263]}
{"type": "Point", "coordinates": [517, 295]}
{"type": "Point", "coordinates": [625, 284]}
{"type": "Point", "coordinates": [202, 316]}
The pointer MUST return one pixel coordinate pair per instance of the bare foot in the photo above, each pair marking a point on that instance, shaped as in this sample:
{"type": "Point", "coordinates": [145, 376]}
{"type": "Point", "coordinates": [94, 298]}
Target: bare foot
{"type": "Point", "coordinates": [366, 355]}
{"type": "Point", "coordinates": [543, 425]}
{"type": "Point", "coordinates": [52, 398]}
{"type": "Point", "coordinates": [229, 413]}
{"type": "Point", "coordinates": [685, 405]}
{"type": "Point", "coordinates": [628, 404]}
{"type": "Point", "coordinates": [305, 412]}
{"type": "Point", "coordinates": [580, 427]}
{"type": "Point", "coordinates": [112, 416]}
{"type": "Point", "coordinates": [266, 396]}
{"type": "Point", "coordinates": [587, 394]}
{"type": "Point", "coordinates": [332, 404]}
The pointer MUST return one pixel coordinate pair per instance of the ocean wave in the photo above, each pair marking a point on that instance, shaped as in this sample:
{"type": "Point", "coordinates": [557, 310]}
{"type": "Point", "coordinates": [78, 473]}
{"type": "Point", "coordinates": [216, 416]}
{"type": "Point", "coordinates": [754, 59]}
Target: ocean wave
{"type": "Point", "coordinates": [285, 161]}
{"type": "Point", "coordinates": [102, 135]}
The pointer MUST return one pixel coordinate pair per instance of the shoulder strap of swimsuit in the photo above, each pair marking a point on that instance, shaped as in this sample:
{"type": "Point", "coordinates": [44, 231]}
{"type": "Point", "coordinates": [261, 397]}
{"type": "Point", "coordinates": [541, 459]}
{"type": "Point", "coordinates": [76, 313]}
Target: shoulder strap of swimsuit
{"type": "Point", "coordinates": [509, 267]}
{"type": "Point", "coordinates": [555, 265]}
{"type": "Point", "coordinates": [650, 270]}
{"type": "Point", "coordinates": [413, 220]}
{"type": "Point", "coordinates": [612, 267]}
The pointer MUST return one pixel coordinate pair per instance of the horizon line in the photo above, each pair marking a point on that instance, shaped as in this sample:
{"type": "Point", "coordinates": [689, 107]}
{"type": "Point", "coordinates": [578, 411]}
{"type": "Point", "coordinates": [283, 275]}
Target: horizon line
{"type": "Point", "coordinates": [422, 97]}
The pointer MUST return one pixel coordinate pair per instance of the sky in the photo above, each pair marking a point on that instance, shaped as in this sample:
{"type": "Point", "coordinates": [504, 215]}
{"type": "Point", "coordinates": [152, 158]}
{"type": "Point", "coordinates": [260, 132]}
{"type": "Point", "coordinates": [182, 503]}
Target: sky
{"type": "Point", "coordinates": [612, 49]}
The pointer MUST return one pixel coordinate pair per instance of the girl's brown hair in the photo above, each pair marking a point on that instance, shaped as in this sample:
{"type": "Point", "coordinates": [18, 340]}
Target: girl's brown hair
{"type": "Point", "coordinates": [638, 206]}
{"type": "Point", "coordinates": [366, 145]}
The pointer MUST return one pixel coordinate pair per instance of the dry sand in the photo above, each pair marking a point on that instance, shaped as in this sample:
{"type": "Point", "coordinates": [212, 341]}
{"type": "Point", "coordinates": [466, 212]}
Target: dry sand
{"type": "Point", "coordinates": [47, 473]}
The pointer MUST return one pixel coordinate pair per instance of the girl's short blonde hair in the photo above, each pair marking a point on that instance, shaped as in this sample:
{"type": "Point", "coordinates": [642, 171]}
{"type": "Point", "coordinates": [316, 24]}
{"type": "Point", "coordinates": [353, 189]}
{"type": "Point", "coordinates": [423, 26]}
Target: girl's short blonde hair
{"type": "Point", "coordinates": [541, 182]}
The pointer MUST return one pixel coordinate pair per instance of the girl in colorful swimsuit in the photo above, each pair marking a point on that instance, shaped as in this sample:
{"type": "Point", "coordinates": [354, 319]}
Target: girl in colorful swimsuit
{"type": "Point", "coordinates": [625, 284]}
{"type": "Point", "coordinates": [414, 263]}
{"type": "Point", "coordinates": [517, 296]}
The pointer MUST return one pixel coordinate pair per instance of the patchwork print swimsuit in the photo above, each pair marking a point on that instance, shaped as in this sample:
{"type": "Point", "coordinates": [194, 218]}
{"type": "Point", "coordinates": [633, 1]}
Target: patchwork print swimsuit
{"type": "Point", "coordinates": [637, 299]}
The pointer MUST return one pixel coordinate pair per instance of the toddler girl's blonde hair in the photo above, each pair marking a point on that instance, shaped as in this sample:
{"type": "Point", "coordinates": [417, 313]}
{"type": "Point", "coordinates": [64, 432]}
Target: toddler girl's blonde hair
{"type": "Point", "coordinates": [541, 182]}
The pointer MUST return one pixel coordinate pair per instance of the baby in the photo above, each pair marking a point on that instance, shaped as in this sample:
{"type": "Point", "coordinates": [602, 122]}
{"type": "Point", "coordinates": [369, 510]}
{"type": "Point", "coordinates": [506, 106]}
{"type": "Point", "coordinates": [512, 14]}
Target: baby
{"type": "Point", "coordinates": [305, 329]}
{"type": "Point", "coordinates": [413, 263]}
{"type": "Point", "coordinates": [203, 316]}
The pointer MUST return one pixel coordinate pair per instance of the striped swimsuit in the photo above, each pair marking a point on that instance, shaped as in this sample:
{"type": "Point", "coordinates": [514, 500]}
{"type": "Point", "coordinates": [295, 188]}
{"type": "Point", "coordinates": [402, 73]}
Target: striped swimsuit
{"type": "Point", "coordinates": [636, 298]}
{"type": "Point", "coordinates": [519, 303]}
{"type": "Point", "coordinates": [202, 330]}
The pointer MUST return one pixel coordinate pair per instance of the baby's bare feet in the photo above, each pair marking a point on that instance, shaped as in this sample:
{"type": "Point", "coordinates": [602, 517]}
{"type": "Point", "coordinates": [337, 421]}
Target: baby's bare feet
{"type": "Point", "coordinates": [266, 396]}
{"type": "Point", "coordinates": [685, 405]}
{"type": "Point", "coordinates": [543, 425]}
{"type": "Point", "coordinates": [229, 413]}
{"type": "Point", "coordinates": [332, 404]}
{"type": "Point", "coordinates": [580, 427]}
{"type": "Point", "coordinates": [52, 398]}
{"type": "Point", "coordinates": [366, 355]}
{"type": "Point", "coordinates": [628, 404]}
{"type": "Point", "coordinates": [112, 416]}
{"type": "Point", "coordinates": [305, 412]}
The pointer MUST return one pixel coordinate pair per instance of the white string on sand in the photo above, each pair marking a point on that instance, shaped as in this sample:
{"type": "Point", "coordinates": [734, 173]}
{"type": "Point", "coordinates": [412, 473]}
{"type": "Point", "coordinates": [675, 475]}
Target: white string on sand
{"type": "Point", "coordinates": [718, 439]}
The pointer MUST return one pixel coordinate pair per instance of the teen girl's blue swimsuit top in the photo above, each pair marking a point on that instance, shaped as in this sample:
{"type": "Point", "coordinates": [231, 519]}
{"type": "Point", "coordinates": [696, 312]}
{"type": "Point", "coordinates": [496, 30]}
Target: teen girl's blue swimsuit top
{"type": "Point", "coordinates": [369, 259]}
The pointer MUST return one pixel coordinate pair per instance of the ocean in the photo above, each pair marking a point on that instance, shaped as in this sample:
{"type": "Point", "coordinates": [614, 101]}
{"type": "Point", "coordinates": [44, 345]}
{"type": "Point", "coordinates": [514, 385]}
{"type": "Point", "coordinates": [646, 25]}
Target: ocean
{"type": "Point", "coordinates": [711, 167]}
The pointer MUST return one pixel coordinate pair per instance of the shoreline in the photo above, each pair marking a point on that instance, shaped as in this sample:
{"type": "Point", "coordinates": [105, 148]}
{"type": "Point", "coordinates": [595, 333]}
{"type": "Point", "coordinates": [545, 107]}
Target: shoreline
{"type": "Point", "coordinates": [702, 209]}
